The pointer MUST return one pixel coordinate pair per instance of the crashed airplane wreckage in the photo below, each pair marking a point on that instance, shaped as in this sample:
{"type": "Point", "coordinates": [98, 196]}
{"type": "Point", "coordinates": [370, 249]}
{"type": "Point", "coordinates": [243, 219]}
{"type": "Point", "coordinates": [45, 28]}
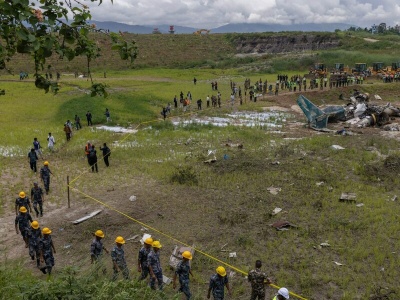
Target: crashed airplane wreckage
{"type": "Point", "coordinates": [358, 112]}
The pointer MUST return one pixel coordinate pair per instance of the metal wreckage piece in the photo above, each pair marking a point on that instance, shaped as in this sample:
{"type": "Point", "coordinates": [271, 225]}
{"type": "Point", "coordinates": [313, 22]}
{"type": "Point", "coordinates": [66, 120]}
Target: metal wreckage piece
{"type": "Point", "coordinates": [358, 112]}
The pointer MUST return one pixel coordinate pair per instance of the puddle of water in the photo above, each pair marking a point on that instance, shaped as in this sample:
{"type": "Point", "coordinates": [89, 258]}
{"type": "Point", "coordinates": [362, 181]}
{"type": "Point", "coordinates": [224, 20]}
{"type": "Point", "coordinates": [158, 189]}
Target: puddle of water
{"type": "Point", "coordinates": [247, 119]}
{"type": "Point", "coordinates": [116, 129]}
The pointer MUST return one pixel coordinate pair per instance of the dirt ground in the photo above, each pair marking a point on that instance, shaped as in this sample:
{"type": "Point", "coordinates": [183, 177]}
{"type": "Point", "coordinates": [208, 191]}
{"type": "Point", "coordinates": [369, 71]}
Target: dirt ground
{"type": "Point", "coordinates": [152, 205]}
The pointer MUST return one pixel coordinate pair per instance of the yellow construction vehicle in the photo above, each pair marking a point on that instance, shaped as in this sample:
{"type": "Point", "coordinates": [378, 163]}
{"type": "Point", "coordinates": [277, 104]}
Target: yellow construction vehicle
{"type": "Point", "coordinates": [201, 31]}
{"type": "Point", "coordinates": [378, 68]}
{"type": "Point", "coordinates": [395, 67]}
{"type": "Point", "coordinates": [359, 68]}
{"type": "Point", "coordinates": [320, 68]}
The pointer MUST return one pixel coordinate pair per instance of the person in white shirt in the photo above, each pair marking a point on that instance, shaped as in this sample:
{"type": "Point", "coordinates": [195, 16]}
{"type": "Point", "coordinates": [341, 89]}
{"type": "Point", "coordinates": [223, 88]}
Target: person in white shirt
{"type": "Point", "coordinates": [51, 141]}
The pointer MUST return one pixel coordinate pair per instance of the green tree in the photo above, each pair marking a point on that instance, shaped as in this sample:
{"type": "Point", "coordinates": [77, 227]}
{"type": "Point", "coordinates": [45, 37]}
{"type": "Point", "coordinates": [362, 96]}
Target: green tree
{"type": "Point", "coordinates": [48, 29]}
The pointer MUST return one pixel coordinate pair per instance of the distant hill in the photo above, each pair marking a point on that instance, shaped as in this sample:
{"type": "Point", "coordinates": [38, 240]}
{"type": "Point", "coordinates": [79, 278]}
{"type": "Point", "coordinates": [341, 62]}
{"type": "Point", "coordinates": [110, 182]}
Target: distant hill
{"type": "Point", "coordinates": [228, 28]}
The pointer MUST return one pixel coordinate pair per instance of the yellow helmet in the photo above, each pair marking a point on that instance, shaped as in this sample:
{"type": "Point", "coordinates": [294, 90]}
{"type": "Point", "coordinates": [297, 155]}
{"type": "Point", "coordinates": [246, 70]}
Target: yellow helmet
{"type": "Point", "coordinates": [120, 240]}
{"type": "Point", "coordinates": [221, 271]}
{"type": "Point", "coordinates": [46, 163]}
{"type": "Point", "coordinates": [187, 255]}
{"type": "Point", "coordinates": [23, 209]}
{"type": "Point", "coordinates": [22, 194]}
{"type": "Point", "coordinates": [148, 241]}
{"type": "Point", "coordinates": [46, 230]}
{"type": "Point", "coordinates": [156, 244]}
{"type": "Point", "coordinates": [35, 224]}
{"type": "Point", "coordinates": [99, 233]}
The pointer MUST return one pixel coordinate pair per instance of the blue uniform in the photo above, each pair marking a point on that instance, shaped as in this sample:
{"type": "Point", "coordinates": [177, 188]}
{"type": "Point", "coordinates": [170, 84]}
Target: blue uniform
{"type": "Point", "coordinates": [118, 256]}
{"type": "Point", "coordinates": [183, 271]}
{"type": "Point", "coordinates": [143, 253]}
{"type": "Point", "coordinates": [23, 221]}
{"type": "Point", "coordinates": [217, 286]}
{"type": "Point", "coordinates": [45, 247]}
{"type": "Point", "coordinates": [45, 175]}
{"type": "Point", "coordinates": [34, 236]}
{"type": "Point", "coordinates": [153, 260]}
{"type": "Point", "coordinates": [37, 198]}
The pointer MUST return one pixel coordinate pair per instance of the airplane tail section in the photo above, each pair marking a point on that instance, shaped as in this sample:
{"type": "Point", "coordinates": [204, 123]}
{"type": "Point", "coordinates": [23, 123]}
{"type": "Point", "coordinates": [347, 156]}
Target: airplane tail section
{"type": "Point", "coordinates": [316, 117]}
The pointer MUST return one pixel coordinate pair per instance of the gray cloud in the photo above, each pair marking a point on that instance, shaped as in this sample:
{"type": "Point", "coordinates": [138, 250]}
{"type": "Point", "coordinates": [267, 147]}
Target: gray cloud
{"type": "Point", "coordinates": [212, 13]}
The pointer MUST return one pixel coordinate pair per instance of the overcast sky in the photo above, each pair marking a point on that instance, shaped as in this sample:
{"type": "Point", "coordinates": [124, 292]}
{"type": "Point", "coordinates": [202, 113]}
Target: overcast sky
{"type": "Point", "coordinates": [213, 13]}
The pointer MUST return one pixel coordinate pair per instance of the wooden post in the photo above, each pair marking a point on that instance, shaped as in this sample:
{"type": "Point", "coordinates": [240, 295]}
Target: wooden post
{"type": "Point", "coordinates": [69, 205]}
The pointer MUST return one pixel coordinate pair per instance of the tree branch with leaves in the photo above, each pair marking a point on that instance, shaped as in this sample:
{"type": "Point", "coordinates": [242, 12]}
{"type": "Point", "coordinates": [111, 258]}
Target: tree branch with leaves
{"type": "Point", "coordinates": [45, 30]}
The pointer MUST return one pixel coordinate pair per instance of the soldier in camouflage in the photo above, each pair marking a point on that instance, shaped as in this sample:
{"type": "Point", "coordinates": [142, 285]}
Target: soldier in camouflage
{"type": "Point", "coordinates": [22, 200]}
{"type": "Point", "coordinates": [258, 280]}
{"type": "Point", "coordinates": [96, 251]}
{"type": "Point", "coordinates": [142, 258]}
{"type": "Point", "coordinates": [45, 176]}
{"type": "Point", "coordinates": [22, 223]}
{"type": "Point", "coordinates": [34, 236]}
{"type": "Point", "coordinates": [183, 270]}
{"type": "Point", "coordinates": [153, 262]}
{"type": "Point", "coordinates": [37, 198]}
{"type": "Point", "coordinates": [118, 259]}
{"type": "Point", "coordinates": [46, 248]}
{"type": "Point", "coordinates": [217, 284]}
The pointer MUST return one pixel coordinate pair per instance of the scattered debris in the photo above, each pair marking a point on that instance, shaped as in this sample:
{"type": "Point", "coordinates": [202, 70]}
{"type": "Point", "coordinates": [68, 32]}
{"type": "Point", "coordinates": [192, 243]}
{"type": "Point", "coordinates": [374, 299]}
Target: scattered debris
{"type": "Point", "coordinates": [338, 263]}
{"type": "Point", "coordinates": [226, 156]}
{"type": "Point", "coordinates": [324, 245]}
{"type": "Point", "coordinates": [110, 190]}
{"type": "Point", "coordinates": [232, 254]}
{"type": "Point", "coordinates": [360, 205]}
{"type": "Point", "coordinates": [132, 238]}
{"type": "Point", "coordinates": [91, 215]}
{"type": "Point", "coordinates": [394, 198]}
{"type": "Point", "coordinates": [209, 161]}
{"type": "Point", "coordinates": [67, 246]}
{"type": "Point", "coordinates": [320, 183]}
{"type": "Point", "coordinates": [283, 225]}
{"type": "Point", "coordinates": [176, 255]}
{"type": "Point", "coordinates": [274, 190]}
{"type": "Point", "coordinates": [337, 147]}
{"type": "Point", "coordinates": [132, 198]}
{"type": "Point", "coordinates": [166, 280]}
{"type": "Point", "coordinates": [276, 211]}
{"type": "Point", "coordinates": [275, 163]}
{"type": "Point", "coordinates": [347, 197]}
{"type": "Point", "coordinates": [239, 146]}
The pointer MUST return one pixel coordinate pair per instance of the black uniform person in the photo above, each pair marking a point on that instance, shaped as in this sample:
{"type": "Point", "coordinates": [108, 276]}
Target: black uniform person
{"type": "Point", "coordinates": [32, 159]}
{"type": "Point", "coordinates": [89, 118]}
{"type": "Point", "coordinates": [106, 153]}
{"type": "Point", "coordinates": [93, 159]}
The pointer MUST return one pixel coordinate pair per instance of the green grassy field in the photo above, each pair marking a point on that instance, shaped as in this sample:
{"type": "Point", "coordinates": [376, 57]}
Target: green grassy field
{"type": "Point", "coordinates": [227, 202]}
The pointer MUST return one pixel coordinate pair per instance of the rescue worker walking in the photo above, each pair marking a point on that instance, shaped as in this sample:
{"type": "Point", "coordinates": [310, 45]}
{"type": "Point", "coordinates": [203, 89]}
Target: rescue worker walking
{"type": "Point", "coordinates": [22, 200]}
{"type": "Point", "coordinates": [37, 198]}
{"type": "Point", "coordinates": [46, 248]}
{"type": "Point", "coordinates": [183, 270]}
{"type": "Point", "coordinates": [93, 159]}
{"type": "Point", "coordinates": [118, 259]}
{"type": "Point", "coordinates": [34, 236]}
{"type": "Point", "coordinates": [283, 294]}
{"type": "Point", "coordinates": [22, 223]}
{"type": "Point", "coordinates": [258, 280]}
{"type": "Point", "coordinates": [88, 147]}
{"type": "Point", "coordinates": [32, 157]}
{"type": "Point", "coordinates": [96, 250]}
{"type": "Point", "coordinates": [153, 261]}
{"type": "Point", "coordinates": [106, 154]}
{"type": "Point", "coordinates": [142, 258]}
{"type": "Point", "coordinates": [45, 176]}
{"type": "Point", "coordinates": [217, 284]}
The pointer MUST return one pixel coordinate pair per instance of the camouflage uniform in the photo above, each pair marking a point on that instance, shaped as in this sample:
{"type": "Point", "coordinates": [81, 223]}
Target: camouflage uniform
{"type": "Point", "coordinates": [217, 286]}
{"type": "Point", "coordinates": [96, 252]}
{"type": "Point", "coordinates": [23, 202]}
{"type": "Point", "coordinates": [23, 221]}
{"type": "Point", "coordinates": [143, 253]}
{"type": "Point", "coordinates": [153, 260]}
{"type": "Point", "coordinates": [257, 279]}
{"type": "Point", "coordinates": [37, 198]}
{"type": "Point", "coordinates": [45, 175]}
{"type": "Point", "coordinates": [182, 270]}
{"type": "Point", "coordinates": [45, 247]}
{"type": "Point", "coordinates": [34, 236]}
{"type": "Point", "coordinates": [118, 256]}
